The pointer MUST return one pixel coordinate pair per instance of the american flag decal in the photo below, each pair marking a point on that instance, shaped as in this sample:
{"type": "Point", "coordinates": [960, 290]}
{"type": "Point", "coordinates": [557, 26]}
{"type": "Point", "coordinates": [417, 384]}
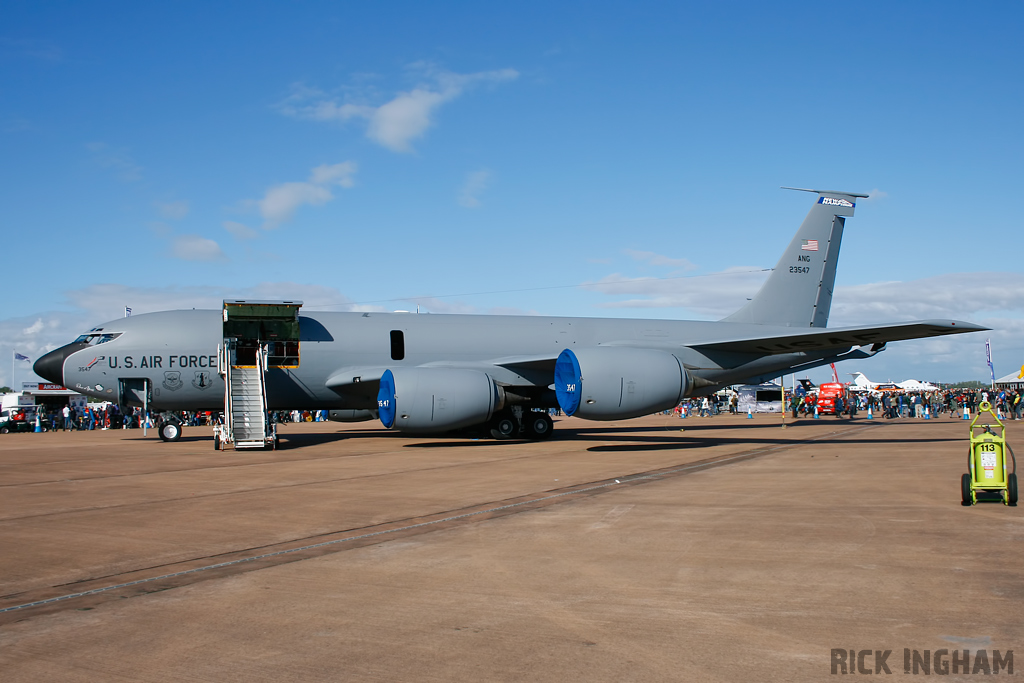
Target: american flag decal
{"type": "Point", "coordinates": [809, 245]}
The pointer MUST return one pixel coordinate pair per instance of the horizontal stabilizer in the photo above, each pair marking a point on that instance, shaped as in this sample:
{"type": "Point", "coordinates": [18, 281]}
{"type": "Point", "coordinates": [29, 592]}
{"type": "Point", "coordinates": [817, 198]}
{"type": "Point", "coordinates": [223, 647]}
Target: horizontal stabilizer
{"type": "Point", "coordinates": [842, 337]}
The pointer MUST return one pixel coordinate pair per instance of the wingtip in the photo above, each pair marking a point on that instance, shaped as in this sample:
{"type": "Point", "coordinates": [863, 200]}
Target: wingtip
{"type": "Point", "coordinates": [961, 325]}
{"type": "Point", "coordinates": [842, 192]}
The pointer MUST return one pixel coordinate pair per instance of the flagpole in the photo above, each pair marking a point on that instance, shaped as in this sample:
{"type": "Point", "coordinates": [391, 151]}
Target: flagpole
{"type": "Point", "coordinates": [991, 367]}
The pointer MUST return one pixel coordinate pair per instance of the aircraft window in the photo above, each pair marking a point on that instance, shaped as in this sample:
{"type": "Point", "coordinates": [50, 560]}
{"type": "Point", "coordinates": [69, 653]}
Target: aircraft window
{"type": "Point", "coordinates": [397, 345]}
{"type": "Point", "coordinates": [108, 337]}
{"type": "Point", "coordinates": [86, 339]}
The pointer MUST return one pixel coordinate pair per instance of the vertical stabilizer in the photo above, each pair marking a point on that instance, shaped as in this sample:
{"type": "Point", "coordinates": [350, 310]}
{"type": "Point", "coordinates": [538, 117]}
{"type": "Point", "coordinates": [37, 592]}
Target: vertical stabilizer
{"type": "Point", "coordinates": [798, 293]}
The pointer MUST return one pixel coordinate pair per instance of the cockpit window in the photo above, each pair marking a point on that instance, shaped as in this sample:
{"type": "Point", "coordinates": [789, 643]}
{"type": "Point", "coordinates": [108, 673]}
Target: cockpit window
{"type": "Point", "coordinates": [94, 338]}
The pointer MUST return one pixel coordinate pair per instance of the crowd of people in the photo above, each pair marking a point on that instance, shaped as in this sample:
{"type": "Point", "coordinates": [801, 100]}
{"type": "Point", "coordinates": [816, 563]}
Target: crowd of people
{"type": "Point", "coordinates": [952, 402]}
{"type": "Point", "coordinates": [101, 417]}
{"type": "Point", "coordinates": [1009, 404]}
{"type": "Point", "coordinates": [110, 416]}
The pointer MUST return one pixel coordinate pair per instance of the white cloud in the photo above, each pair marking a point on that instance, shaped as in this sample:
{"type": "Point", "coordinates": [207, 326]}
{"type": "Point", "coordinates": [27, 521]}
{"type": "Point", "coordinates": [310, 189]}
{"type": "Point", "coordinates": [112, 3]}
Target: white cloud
{"type": "Point", "coordinates": [281, 201]}
{"type": "Point", "coordinates": [34, 328]}
{"type": "Point", "coordinates": [447, 305]}
{"type": "Point", "coordinates": [196, 248]}
{"type": "Point", "coordinates": [33, 336]}
{"type": "Point", "coordinates": [995, 300]}
{"type": "Point", "coordinates": [337, 174]}
{"type": "Point", "coordinates": [956, 295]}
{"type": "Point", "coordinates": [714, 295]}
{"type": "Point", "coordinates": [240, 231]}
{"type": "Point", "coordinates": [96, 304]}
{"type": "Point", "coordinates": [173, 210]}
{"type": "Point", "coordinates": [406, 117]}
{"type": "Point", "coordinates": [117, 160]}
{"type": "Point", "coordinates": [103, 302]}
{"type": "Point", "coordinates": [659, 260]}
{"type": "Point", "coordinates": [476, 183]}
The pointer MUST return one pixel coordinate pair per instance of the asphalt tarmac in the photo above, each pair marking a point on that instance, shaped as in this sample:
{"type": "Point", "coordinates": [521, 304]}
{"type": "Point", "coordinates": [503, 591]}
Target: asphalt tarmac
{"type": "Point", "coordinates": [732, 551]}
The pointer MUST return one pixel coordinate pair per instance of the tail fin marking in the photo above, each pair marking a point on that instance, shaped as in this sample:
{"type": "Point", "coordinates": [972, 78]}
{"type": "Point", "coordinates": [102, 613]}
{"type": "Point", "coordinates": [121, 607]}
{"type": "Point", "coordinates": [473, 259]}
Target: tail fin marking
{"type": "Point", "coordinates": [798, 293]}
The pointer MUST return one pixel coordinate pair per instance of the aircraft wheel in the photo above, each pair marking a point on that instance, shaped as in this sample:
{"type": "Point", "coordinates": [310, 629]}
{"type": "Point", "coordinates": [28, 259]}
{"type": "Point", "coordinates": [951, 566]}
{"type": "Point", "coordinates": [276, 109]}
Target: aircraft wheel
{"type": "Point", "coordinates": [1011, 489]}
{"type": "Point", "coordinates": [170, 431]}
{"type": "Point", "coordinates": [539, 426]}
{"type": "Point", "coordinates": [965, 490]}
{"type": "Point", "coordinates": [216, 442]}
{"type": "Point", "coordinates": [504, 428]}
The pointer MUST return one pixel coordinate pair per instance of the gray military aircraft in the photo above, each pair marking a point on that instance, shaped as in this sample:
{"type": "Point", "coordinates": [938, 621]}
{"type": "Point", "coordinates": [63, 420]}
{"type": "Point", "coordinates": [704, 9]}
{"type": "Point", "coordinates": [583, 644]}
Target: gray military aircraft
{"type": "Point", "coordinates": [437, 373]}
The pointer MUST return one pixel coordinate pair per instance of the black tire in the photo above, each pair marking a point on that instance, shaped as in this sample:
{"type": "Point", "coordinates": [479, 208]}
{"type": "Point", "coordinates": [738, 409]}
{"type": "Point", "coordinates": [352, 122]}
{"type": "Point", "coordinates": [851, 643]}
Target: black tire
{"type": "Point", "coordinates": [965, 490]}
{"type": "Point", "coordinates": [504, 428]}
{"type": "Point", "coordinates": [539, 426]}
{"type": "Point", "coordinates": [1011, 489]}
{"type": "Point", "coordinates": [170, 431]}
{"type": "Point", "coordinates": [216, 442]}
{"type": "Point", "coordinates": [4, 430]}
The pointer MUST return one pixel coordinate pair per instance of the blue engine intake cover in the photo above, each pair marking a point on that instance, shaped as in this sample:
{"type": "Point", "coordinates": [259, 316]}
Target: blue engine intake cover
{"type": "Point", "coordinates": [567, 382]}
{"type": "Point", "coordinates": [386, 399]}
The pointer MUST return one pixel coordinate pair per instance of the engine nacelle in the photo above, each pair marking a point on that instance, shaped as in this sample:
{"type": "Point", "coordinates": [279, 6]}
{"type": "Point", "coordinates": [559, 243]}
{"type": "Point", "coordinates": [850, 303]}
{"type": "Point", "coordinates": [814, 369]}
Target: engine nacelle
{"type": "Point", "coordinates": [429, 400]}
{"type": "Point", "coordinates": [618, 382]}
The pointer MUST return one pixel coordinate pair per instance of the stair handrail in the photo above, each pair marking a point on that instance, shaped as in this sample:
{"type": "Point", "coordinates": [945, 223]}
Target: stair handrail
{"type": "Point", "coordinates": [261, 370]}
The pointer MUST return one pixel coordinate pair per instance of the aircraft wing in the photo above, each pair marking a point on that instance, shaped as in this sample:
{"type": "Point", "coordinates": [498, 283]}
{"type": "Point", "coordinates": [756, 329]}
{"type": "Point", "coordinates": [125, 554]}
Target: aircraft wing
{"type": "Point", "coordinates": [806, 340]}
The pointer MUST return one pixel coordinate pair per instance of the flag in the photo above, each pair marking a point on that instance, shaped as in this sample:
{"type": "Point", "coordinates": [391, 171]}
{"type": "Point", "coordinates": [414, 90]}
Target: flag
{"type": "Point", "coordinates": [988, 358]}
{"type": "Point", "coordinates": [18, 356]}
{"type": "Point", "coordinates": [809, 245]}
{"type": "Point", "coordinates": [127, 312]}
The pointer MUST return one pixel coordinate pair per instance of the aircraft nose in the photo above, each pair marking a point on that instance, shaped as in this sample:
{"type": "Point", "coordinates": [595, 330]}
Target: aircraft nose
{"type": "Point", "coordinates": [51, 366]}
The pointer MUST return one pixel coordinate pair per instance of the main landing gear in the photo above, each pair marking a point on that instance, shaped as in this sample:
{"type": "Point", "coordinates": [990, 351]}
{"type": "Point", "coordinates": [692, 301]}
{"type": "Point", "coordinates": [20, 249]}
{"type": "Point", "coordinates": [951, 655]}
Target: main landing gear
{"type": "Point", "coordinates": [518, 423]}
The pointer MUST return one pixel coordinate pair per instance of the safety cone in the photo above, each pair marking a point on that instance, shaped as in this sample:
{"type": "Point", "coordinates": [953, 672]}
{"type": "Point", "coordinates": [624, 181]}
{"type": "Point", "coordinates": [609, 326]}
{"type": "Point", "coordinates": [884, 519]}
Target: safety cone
{"type": "Point", "coordinates": [750, 415]}
{"type": "Point", "coordinates": [39, 427]}
{"type": "Point", "coordinates": [816, 411]}
{"type": "Point", "coordinates": [967, 413]}
{"type": "Point", "coordinates": [926, 415]}
{"type": "Point", "coordinates": [870, 415]}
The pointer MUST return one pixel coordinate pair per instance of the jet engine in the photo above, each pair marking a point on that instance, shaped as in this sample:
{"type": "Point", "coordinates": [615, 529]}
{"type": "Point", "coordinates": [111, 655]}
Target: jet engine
{"type": "Point", "coordinates": [429, 400]}
{"type": "Point", "coordinates": [616, 382]}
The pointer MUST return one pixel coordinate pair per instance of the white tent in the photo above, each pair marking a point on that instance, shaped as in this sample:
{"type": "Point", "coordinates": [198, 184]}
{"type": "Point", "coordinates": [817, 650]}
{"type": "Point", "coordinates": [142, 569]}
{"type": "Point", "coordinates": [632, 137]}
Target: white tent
{"type": "Point", "coordinates": [1012, 381]}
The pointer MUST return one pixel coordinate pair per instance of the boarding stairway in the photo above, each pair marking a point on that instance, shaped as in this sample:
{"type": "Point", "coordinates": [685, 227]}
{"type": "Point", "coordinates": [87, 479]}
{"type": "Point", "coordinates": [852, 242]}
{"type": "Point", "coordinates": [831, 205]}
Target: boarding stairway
{"type": "Point", "coordinates": [259, 336]}
{"type": "Point", "coordinates": [246, 403]}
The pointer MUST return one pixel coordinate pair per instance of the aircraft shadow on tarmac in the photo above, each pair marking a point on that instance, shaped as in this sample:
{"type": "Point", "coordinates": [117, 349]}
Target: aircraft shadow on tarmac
{"type": "Point", "coordinates": [666, 438]}
{"type": "Point", "coordinates": [661, 437]}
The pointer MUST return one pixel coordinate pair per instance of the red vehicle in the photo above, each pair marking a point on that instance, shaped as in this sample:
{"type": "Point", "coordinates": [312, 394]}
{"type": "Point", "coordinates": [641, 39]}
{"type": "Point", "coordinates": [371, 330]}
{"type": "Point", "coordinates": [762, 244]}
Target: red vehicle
{"type": "Point", "coordinates": [833, 399]}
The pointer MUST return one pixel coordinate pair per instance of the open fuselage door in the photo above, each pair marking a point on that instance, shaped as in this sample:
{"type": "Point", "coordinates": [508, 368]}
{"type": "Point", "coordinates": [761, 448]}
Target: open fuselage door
{"type": "Point", "coordinates": [258, 336]}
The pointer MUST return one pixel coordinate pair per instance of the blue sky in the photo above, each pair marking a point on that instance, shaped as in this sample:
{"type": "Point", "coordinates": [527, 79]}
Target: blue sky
{"type": "Point", "coordinates": [591, 159]}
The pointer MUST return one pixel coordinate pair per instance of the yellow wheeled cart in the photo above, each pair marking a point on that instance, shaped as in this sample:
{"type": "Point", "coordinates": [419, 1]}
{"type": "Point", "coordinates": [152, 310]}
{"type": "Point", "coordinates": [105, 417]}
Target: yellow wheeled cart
{"type": "Point", "coordinates": [990, 476]}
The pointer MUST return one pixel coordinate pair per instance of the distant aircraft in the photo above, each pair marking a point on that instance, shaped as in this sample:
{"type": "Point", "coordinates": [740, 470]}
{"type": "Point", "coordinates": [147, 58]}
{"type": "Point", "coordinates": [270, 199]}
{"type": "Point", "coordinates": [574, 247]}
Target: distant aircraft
{"type": "Point", "coordinates": [862, 382]}
{"type": "Point", "coordinates": [436, 373]}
